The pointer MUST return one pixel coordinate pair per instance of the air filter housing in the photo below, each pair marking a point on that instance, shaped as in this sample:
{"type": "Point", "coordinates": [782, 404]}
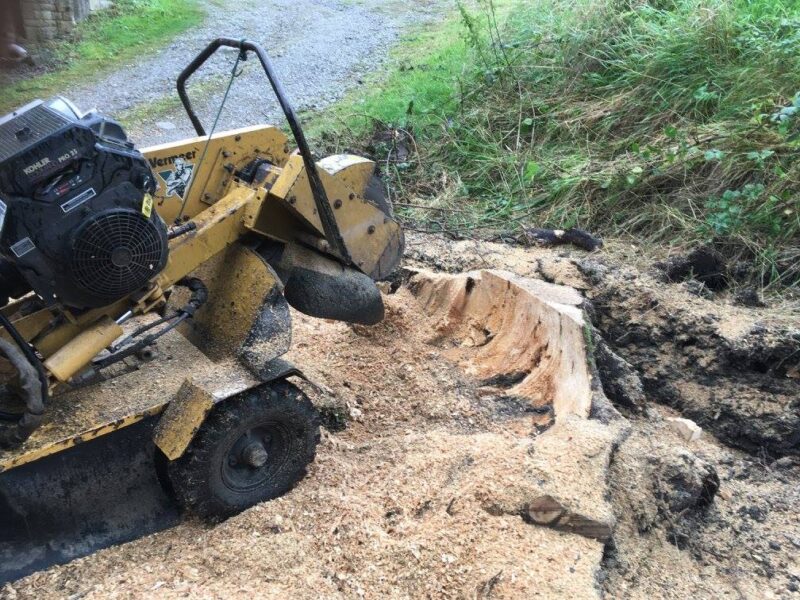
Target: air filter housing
{"type": "Point", "coordinates": [77, 220]}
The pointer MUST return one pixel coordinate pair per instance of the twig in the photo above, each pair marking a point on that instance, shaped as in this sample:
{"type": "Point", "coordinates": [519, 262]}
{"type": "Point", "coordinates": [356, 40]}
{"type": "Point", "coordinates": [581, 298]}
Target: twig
{"type": "Point", "coordinates": [434, 208]}
{"type": "Point", "coordinates": [488, 586]}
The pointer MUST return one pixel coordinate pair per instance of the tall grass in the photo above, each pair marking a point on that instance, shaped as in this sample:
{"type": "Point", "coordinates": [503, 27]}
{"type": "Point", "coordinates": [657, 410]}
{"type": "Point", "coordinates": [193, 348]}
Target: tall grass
{"type": "Point", "coordinates": [671, 122]}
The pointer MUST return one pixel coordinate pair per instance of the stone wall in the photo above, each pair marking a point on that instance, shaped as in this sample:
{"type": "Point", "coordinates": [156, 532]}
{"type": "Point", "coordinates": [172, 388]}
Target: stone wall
{"type": "Point", "coordinates": [48, 19]}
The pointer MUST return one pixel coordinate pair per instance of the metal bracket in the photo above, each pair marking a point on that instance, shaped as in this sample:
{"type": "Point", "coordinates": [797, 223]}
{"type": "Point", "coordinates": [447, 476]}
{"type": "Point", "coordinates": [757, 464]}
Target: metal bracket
{"type": "Point", "coordinates": [329, 225]}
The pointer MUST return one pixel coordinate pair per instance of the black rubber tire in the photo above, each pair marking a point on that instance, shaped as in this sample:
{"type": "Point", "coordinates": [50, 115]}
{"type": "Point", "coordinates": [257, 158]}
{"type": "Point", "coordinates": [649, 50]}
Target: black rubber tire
{"type": "Point", "coordinates": [376, 194]}
{"type": "Point", "coordinates": [204, 481]}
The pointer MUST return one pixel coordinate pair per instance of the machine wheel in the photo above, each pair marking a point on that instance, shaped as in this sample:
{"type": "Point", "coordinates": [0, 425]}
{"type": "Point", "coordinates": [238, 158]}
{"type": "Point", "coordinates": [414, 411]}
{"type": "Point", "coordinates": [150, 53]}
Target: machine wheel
{"type": "Point", "coordinates": [376, 193]}
{"type": "Point", "coordinates": [251, 448]}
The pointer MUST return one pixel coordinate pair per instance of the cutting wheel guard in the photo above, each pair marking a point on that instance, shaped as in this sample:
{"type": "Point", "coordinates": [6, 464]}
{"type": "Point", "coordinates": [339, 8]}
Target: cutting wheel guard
{"type": "Point", "coordinates": [329, 224]}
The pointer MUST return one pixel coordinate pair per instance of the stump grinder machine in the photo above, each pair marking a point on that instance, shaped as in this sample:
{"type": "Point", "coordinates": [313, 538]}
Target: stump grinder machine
{"type": "Point", "coordinates": [144, 311]}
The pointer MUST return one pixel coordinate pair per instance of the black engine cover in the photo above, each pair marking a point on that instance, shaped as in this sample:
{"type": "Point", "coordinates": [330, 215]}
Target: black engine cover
{"type": "Point", "coordinates": [76, 216]}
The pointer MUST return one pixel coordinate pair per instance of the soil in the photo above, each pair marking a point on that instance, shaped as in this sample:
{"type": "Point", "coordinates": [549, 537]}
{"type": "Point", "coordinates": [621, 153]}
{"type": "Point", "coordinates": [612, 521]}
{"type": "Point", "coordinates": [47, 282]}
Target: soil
{"type": "Point", "coordinates": [431, 481]}
{"type": "Point", "coordinates": [744, 544]}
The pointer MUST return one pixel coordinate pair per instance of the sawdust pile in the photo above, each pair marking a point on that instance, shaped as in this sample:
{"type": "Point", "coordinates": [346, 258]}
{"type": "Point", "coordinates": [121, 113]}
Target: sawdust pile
{"type": "Point", "coordinates": [423, 494]}
{"type": "Point", "coordinates": [680, 350]}
{"type": "Point", "coordinates": [436, 479]}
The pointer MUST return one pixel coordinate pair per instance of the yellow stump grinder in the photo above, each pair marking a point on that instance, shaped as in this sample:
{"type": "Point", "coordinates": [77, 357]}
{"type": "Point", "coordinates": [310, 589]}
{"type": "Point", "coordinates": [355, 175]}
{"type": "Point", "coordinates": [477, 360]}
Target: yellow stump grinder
{"type": "Point", "coordinates": [144, 310]}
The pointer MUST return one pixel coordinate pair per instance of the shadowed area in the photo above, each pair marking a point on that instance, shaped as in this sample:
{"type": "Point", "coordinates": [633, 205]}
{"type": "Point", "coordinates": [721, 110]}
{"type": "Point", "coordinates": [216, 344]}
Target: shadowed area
{"type": "Point", "coordinates": [95, 495]}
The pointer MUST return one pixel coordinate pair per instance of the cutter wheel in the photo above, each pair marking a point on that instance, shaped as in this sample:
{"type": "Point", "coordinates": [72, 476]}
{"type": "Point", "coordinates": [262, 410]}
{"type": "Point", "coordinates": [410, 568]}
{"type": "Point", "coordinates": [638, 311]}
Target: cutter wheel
{"type": "Point", "coordinates": [144, 309]}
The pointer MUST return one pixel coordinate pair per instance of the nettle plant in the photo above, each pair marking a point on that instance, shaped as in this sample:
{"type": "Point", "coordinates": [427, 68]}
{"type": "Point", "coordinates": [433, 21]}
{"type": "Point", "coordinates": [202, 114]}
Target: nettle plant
{"type": "Point", "coordinates": [737, 208]}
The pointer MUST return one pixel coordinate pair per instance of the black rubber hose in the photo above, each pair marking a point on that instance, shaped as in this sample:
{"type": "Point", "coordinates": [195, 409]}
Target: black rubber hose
{"type": "Point", "coordinates": [199, 294]}
{"type": "Point", "coordinates": [35, 401]}
{"type": "Point", "coordinates": [29, 354]}
{"type": "Point", "coordinates": [13, 436]}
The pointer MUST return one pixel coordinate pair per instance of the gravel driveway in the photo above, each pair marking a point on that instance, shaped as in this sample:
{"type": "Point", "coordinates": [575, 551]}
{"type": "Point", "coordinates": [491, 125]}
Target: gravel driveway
{"type": "Point", "coordinates": [320, 49]}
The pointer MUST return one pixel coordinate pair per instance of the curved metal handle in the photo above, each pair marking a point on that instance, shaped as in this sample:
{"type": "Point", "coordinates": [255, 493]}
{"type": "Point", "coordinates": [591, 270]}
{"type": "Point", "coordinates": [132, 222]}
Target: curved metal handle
{"type": "Point", "coordinates": [329, 225]}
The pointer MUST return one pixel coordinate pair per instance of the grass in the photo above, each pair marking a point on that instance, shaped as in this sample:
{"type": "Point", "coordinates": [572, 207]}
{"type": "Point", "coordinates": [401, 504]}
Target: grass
{"type": "Point", "coordinates": [668, 122]}
{"type": "Point", "coordinates": [426, 68]}
{"type": "Point", "coordinates": [130, 28]}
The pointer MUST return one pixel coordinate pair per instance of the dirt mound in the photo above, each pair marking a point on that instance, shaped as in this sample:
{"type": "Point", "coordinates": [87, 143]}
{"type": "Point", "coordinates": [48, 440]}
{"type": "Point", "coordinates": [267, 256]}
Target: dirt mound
{"type": "Point", "coordinates": [671, 542]}
{"type": "Point", "coordinates": [731, 369]}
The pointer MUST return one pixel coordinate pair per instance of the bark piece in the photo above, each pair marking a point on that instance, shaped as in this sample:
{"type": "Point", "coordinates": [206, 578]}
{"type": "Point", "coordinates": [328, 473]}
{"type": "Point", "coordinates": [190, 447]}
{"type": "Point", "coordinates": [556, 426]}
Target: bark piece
{"type": "Point", "coordinates": [549, 512]}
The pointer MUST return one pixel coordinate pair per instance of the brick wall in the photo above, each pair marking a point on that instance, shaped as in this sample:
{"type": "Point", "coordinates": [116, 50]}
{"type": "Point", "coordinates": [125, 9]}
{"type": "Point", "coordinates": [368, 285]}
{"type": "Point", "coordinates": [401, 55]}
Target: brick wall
{"type": "Point", "coordinates": [48, 19]}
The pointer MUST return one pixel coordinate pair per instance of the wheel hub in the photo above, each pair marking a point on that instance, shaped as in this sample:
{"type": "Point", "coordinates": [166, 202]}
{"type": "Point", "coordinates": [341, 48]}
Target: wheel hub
{"type": "Point", "coordinates": [255, 455]}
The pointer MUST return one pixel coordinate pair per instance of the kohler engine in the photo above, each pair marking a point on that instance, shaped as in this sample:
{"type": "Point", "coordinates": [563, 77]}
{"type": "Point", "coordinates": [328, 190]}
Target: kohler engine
{"type": "Point", "coordinates": [77, 223]}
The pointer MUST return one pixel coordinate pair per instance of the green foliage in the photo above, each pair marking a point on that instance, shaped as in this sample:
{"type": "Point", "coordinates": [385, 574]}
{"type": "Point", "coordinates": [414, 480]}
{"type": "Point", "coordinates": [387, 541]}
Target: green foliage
{"type": "Point", "coordinates": [673, 122]}
{"type": "Point", "coordinates": [760, 157]}
{"type": "Point", "coordinates": [532, 169]}
{"type": "Point", "coordinates": [131, 26]}
{"type": "Point", "coordinates": [729, 213]}
{"type": "Point", "coordinates": [128, 29]}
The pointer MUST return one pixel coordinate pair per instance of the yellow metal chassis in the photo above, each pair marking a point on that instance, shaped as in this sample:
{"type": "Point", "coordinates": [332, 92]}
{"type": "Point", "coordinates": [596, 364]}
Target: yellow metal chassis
{"type": "Point", "coordinates": [209, 368]}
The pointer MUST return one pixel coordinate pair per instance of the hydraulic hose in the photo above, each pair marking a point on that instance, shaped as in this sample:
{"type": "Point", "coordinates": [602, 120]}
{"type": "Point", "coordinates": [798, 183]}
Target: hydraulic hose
{"type": "Point", "coordinates": [34, 384]}
{"type": "Point", "coordinates": [199, 294]}
{"type": "Point", "coordinates": [198, 297]}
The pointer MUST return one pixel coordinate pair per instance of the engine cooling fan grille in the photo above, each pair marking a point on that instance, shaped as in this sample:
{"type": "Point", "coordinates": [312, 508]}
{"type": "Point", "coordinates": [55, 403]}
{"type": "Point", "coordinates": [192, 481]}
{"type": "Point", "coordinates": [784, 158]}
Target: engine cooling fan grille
{"type": "Point", "coordinates": [116, 253]}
